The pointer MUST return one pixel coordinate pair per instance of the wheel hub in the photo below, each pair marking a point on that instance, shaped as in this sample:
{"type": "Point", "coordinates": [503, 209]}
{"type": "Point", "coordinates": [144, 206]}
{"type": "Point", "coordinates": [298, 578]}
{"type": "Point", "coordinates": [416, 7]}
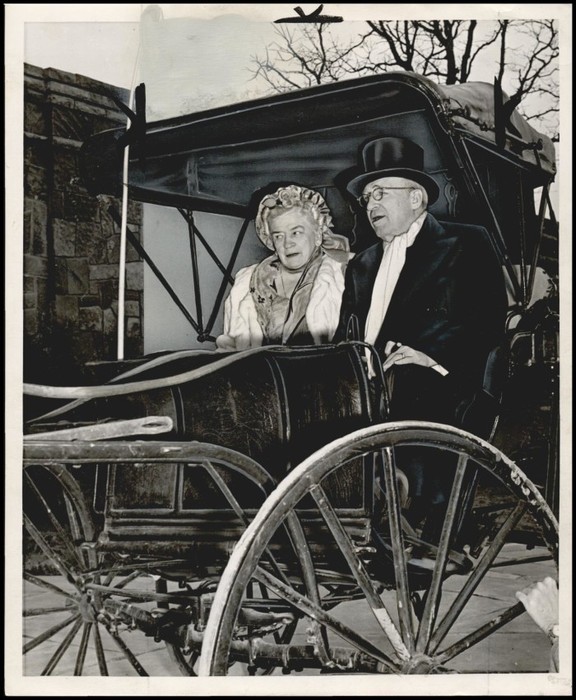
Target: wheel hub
{"type": "Point", "coordinates": [419, 664]}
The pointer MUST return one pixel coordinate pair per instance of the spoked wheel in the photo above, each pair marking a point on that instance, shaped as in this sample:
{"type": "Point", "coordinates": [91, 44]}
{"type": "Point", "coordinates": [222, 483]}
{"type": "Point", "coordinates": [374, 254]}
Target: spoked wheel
{"type": "Point", "coordinates": [92, 613]}
{"type": "Point", "coordinates": [64, 633]}
{"type": "Point", "coordinates": [410, 605]}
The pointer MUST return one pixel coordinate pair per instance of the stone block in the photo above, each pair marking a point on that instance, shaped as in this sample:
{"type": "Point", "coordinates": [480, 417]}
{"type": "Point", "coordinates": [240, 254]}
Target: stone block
{"type": "Point", "coordinates": [66, 310]}
{"type": "Point", "coordinates": [39, 223]}
{"type": "Point", "coordinates": [107, 224]}
{"type": "Point", "coordinates": [29, 284]}
{"type": "Point", "coordinates": [64, 238]}
{"type": "Point", "coordinates": [113, 249]}
{"type": "Point", "coordinates": [60, 102]}
{"type": "Point", "coordinates": [27, 229]}
{"type": "Point", "coordinates": [91, 242]}
{"type": "Point", "coordinates": [35, 266]}
{"type": "Point", "coordinates": [78, 276]}
{"type": "Point", "coordinates": [132, 254]}
{"type": "Point", "coordinates": [68, 88]}
{"type": "Point", "coordinates": [109, 322]}
{"type": "Point", "coordinates": [133, 327]}
{"type": "Point", "coordinates": [36, 152]}
{"type": "Point", "coordinates": [90, 108]}
{"type": "Point", "coordinates": [135, 275]}
{"type": "Point", "coordinates": [74, 206]}
{"type": "Point", "coordinates": [42, 298]}
{"type": "Point", "coordinates": [30, 70]}
{"type": "Point", "coordinates": [108, 292]}
{"type": "Point", "coordinates": [65, 167]}
{"type": "Point", "coordinates": [132, 308]}
{"type": "Point", "coordinates": [90, 318]}
{"type": "Point", "coordinates": [35, 181]}
{"type": "Point", "coordinates": [61, 275]}
{"type": "Point", "coordinates": [31, 324]}
{"type": "Point", "coordinates": [70, 122]}
{"type": "Point", "coordinates": [89, 300]}
{"type": "Point", "coordinates": [134, 212]}
{"type": "Point", "coordinates": [34, 120]}
{"type": "Point", "coordinates": [98, 88]}
{"type": "Point", "coordinates": [103, 272]}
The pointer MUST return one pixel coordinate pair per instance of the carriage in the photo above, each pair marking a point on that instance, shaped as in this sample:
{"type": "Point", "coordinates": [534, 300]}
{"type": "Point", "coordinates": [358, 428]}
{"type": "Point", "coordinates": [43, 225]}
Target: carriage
{"type": "Point", "coordinates": [246, 510]}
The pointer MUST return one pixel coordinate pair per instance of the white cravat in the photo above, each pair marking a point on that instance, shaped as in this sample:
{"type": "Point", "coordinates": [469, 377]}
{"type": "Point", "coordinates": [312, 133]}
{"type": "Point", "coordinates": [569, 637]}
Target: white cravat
{"type": "Point", "coordinates": [389, 271]}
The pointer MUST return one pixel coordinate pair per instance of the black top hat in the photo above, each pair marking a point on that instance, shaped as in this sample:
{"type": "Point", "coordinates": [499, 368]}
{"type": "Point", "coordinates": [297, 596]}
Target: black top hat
{"type": "Point", "coordinates": [393, 157]}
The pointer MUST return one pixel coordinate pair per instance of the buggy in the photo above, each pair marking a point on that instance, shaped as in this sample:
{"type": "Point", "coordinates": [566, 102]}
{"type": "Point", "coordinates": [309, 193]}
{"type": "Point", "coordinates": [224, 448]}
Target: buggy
{"type": "Point", "coordinates": [247, 509]}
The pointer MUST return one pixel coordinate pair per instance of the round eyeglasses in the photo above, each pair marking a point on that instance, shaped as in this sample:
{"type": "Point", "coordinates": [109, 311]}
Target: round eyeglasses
{"type": "Point", "coordinates": [377, 193]}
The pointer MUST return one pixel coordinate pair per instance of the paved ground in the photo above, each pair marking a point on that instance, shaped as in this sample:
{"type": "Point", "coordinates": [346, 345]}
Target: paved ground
{"type": "Point", "coordinates": [518, 646]}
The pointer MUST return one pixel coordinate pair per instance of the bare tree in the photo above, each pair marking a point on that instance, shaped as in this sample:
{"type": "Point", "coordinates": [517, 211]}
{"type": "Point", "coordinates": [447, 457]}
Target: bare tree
{"type": "Point", "coordinates": [303, 56]}
{"type": "Point", "coordinates": [529, 64]}
{"type": "Point", "coordinates": [444, 50]}
{"type": "Point", "coordinates": [524, 53]}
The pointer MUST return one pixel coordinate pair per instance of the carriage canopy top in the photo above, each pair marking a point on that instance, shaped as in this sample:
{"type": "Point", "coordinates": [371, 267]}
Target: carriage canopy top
{"type": "Point", "coordinates": [216, 160]}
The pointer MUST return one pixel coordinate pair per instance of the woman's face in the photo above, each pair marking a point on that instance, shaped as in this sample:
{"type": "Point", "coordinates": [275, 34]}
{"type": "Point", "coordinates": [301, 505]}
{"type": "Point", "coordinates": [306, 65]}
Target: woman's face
{"type": "Point", "coordinates": [295, 237]}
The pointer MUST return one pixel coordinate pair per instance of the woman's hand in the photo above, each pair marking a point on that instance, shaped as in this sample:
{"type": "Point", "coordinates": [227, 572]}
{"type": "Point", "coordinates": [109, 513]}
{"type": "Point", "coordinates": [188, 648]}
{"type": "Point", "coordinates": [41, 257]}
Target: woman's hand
{"type": "Point", "coordinates": [541, 603]}
{"type": "Point", "coordinates": [226, 343]}
{"type": "Point", "coordinates": [398, 354]}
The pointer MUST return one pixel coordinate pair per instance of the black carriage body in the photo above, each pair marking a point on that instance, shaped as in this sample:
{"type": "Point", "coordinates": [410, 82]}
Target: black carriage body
{"type": "Point", "coordinates": [281, 406]}
{"type": "Point", "coordinates": [277, 407]}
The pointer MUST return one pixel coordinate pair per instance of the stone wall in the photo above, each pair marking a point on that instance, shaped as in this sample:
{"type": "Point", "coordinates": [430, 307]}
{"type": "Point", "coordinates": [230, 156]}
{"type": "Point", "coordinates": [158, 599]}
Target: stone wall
{"type": "Point", "coordinates": [71, 244]}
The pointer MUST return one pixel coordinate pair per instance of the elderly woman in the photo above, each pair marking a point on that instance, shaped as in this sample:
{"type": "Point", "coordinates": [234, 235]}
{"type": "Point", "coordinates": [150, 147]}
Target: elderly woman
{"type": "Point", "coordinates": [293, 296]}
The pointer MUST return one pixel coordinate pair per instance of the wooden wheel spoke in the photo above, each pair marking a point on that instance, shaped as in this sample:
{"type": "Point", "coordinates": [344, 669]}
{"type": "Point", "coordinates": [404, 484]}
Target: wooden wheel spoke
{"type": "Point", "coordinates": [226, 492]}
{"type": "Point", "coordinates": [80, 658]}
{"type": "Point", "coordinates": [99, 651]}
{"type": "Point", "coordinates": [398, 550]}
{"type": "Point", "coordinates": [359, 571]}
{"type": "Point", "coordinates": [237, 508]}
{"type": "Point", "coordinates": [434, 592]}
{"type": "Point", "coordinates": [48, 551]}
{"type": "Point", "coordinates": [131, 577]}
{"type": "Point", "coordinates": [314, 611]}
{"type": "Point", "coordinates": [63, 536]}
{"type": "Point", "coordinates": [49, 586]}
{"type": "Point", "coordinates": [476, 577]}
{"type": "Point", "coordinates": [61, 650]}
{"type": "Point", "coordinates": [37, 612]}
{"type": "Point", "coordinates": [33, 643]}
{"type": "Point", "coordinates": [481, 633]}
{"type": "Point", "coordinates": [136, 665]}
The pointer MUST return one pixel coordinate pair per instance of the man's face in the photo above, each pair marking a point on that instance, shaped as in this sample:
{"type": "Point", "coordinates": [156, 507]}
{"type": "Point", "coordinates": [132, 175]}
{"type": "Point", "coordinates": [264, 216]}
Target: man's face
{"type": "Point", "coordinates": [295, 237]}
{"type": "Point", "coordinates": [395, 210]}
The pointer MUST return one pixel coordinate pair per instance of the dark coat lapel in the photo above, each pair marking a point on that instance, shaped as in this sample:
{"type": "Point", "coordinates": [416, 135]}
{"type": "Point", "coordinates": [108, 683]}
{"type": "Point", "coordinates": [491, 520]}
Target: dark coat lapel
{"type": "Point", "coordinates": [365, 281]}
{"type": "Point", "coordinates": [424, 259]}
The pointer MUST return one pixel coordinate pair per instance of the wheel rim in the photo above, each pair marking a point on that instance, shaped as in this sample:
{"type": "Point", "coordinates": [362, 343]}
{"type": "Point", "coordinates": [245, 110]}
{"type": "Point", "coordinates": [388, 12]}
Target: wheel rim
{"type": "Point", "coordinates": [64, 633]}
{"type": "Point", "coordinates": [433, 643]}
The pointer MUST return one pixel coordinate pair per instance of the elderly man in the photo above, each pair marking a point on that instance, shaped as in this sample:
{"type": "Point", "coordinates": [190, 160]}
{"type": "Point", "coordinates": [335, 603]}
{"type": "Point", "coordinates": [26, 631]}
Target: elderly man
{"type": "Point", "coordinates": [429, 296]}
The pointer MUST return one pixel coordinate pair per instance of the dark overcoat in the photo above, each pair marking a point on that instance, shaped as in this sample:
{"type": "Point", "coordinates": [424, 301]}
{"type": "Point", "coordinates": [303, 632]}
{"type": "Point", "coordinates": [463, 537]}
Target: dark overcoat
{"type": "Point", "coordinates": [450, 302]}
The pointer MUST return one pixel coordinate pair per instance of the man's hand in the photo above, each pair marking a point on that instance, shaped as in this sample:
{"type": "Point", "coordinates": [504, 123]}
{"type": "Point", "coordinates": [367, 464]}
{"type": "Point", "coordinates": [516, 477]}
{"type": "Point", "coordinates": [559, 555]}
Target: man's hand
{"type": "Point", "coordinates": [541, 603]}
{"type": "Point", "coordinates": [398, 354]}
